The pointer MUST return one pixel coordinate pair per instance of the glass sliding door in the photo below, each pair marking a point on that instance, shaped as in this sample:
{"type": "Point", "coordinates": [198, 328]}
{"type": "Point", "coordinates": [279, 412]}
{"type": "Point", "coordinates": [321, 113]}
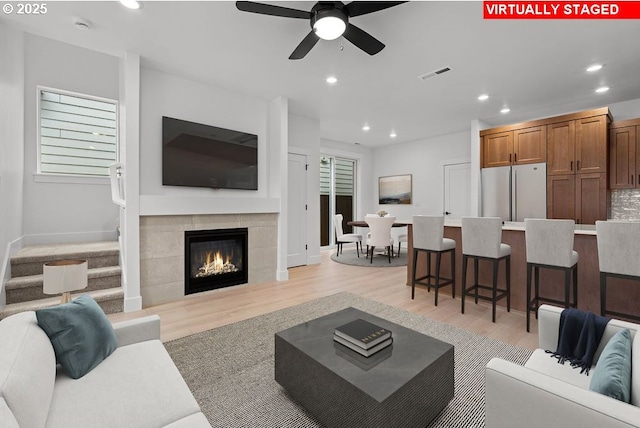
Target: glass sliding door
{"type": "Point", "coordinates": [337, 195]}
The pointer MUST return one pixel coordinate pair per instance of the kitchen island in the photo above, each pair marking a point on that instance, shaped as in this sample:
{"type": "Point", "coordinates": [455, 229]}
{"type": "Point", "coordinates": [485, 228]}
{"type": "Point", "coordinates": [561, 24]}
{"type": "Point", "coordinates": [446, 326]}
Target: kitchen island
{"type": "Point", "coordinates": [622, 295]}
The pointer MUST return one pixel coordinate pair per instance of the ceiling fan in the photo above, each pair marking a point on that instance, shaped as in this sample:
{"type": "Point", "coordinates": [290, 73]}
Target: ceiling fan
{"type": "Point", "coordinates": [329, 20]}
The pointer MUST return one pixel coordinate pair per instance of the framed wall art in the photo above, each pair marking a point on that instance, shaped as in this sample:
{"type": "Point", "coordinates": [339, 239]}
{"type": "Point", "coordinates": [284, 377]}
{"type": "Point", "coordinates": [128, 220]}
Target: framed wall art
{"type": "Point", "coordinates": [394, 189]}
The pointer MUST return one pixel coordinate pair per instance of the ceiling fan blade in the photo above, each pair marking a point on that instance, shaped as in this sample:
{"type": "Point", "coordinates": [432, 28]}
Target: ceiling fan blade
{"type": "Point", "coordinates": [357, 8]}
{"type": "Point", "coordinates": [363, 40]}
{"type": "Point", "coordinates": [267, 9]}
{"type": "Point", "coordinates": [305, 46]}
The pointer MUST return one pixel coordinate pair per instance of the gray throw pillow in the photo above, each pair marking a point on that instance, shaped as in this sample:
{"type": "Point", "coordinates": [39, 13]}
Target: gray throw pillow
{"type": "Point", "coordinates": [612, 375]}
{"type": "Point", "coordinates": [80, 333]}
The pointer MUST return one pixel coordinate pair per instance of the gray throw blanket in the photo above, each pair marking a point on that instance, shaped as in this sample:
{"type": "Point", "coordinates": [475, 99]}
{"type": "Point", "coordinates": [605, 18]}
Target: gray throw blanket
{"type": "Point", "coordinates": [578, 338]}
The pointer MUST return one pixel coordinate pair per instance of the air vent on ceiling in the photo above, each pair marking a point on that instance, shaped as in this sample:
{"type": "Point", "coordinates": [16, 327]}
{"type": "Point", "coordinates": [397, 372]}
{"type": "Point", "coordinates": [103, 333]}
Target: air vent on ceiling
{"type": "Point", "coordinates": [434, 73]}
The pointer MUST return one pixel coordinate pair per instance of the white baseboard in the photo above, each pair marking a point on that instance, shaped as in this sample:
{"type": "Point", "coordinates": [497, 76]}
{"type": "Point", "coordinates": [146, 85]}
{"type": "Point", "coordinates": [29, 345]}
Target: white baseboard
{"type": "Point", "coordinates": [314, 260]}
{"type": "Point", "coordinates": [132, 304]}
{"type": "Point", "coordinates": [65, 238]}
{"type": "Point", "coordinates": [5, 269]}
{"type": "Point", "coordinates": [282, 275]}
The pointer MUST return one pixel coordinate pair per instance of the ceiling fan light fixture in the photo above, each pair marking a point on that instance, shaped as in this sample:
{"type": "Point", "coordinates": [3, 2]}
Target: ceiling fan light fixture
{"type": "Point", "coordinates": [131, 4]}
{"type": "Point", "coordinates": [329, 24]}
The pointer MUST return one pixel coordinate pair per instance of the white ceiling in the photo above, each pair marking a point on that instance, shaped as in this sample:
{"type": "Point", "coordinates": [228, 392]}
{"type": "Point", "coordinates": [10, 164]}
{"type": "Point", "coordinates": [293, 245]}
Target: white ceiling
{"type": "Point", "coordinates": [535, 67]}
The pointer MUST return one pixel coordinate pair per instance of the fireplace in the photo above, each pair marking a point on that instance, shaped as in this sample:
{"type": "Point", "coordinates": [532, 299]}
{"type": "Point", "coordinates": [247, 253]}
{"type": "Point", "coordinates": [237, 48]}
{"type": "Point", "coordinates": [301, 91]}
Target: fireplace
{"type": "Point", "coordinates": [215, 259]}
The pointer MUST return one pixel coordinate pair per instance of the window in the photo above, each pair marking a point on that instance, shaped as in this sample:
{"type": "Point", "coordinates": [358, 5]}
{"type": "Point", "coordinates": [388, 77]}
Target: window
{"type": "Point", "coordinates": [78, 134]}
{"type": "Point", "coordinates": [337, 195]}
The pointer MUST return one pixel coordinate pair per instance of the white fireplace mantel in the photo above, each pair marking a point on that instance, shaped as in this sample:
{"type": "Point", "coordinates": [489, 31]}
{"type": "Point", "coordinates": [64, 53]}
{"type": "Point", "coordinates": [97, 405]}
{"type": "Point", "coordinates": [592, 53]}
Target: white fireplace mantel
{"type": "Point", "coordinates": [152, 205]}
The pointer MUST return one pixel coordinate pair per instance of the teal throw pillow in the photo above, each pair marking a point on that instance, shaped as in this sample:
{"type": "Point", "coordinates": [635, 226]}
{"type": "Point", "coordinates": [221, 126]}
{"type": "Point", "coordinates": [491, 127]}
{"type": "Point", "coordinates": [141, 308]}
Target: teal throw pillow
{"type": "Point", "coordinates": [612, 375]}
{"type": "Point", "coordinates": [80, 333]}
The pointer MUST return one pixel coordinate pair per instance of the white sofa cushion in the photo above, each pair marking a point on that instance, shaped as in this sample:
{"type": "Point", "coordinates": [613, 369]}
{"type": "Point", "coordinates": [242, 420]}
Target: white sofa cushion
{"type": "Point", "coordinates": [136, 386]}
{"type": "Point", "coordinates": [635, 371]}
{"type": "Point", "coordinates": [27, 369]}
{"type": "Point", "coordinates": [193, 421]}
{"type": "Point", "coordinates": [6, 416]}
{"type": "Point", "coordinates": [543, 362]}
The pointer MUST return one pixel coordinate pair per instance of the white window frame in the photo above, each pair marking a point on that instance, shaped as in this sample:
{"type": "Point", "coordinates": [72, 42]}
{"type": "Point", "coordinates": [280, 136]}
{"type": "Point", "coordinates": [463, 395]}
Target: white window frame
{"type": "Point", "coordinates": [47, 177]}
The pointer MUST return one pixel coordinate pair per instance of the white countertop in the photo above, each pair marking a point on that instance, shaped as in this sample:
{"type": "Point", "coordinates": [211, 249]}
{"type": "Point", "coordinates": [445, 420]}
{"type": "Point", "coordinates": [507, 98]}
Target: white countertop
{"type": "Point", "coordinates": [580, 229]}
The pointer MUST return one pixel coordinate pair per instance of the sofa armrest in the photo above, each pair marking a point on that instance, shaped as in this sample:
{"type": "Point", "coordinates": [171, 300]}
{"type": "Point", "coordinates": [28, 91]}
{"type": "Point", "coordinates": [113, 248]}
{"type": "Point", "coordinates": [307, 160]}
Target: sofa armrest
{"type": "Point", "coordinates": [137, 330]}
{"type": "Point", "coordinates": [516, 396]}
{"type": "Point", "coordinates": [548, 325]}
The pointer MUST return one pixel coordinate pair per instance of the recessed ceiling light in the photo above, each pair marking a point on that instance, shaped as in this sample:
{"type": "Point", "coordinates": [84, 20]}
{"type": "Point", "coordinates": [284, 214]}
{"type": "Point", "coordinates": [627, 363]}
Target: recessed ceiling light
{"type": "Point", "coordinates": [131, 4]}
{"type": "Point", "coordinates": [332, 79]}
{"type": "Point", "coordinates": [602, 89]}
{"type": "Point", "coordinates": [505, 110]}
{"type": "Point", "coordinates": [393, 134]}
{"type": "Point", "coordinates": [594, 67]}
{"type": "Point", "coordinates": [366, 128]}
{"type": "Point", "coordinates": [483, 97]}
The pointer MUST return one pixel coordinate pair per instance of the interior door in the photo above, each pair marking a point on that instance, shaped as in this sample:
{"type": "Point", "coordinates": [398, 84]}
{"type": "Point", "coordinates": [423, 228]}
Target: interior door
{"type": "Point", "coordinates": [297, 211]}
{"type": "Point", "coordinates": [457, 190]}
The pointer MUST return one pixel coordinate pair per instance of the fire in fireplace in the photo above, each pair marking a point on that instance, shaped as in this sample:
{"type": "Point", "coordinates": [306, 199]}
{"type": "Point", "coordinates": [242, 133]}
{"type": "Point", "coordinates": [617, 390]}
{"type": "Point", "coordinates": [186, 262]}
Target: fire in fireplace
{"type": "Point", "coordinates": [215, 259]}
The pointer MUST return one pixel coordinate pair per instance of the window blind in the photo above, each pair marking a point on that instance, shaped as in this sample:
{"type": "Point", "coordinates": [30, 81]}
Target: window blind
{"type": "Point", "coordinates": [78, 134]}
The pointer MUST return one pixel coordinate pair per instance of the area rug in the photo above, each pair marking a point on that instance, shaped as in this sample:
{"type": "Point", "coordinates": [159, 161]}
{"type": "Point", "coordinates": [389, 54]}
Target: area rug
{"type": "Point", "coordinates": [230, 369]}
{"type": "Point", "coordinates": [350, 257]}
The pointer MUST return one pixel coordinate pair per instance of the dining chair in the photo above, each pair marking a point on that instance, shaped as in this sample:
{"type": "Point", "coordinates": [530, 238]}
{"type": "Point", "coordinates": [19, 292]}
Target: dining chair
{"type": "Point", "coordinates": [428, 237]}
{"type": "Point", "coordinates": [403, 237]}
{"type": "Point", "coordinates": [345, 238]}
{"type": "Point", "coordinates": [549, 245]}
{"type": "Point", "coordinates": [618, 250]}
{"type": "Point", "coordinates": [380, 234]}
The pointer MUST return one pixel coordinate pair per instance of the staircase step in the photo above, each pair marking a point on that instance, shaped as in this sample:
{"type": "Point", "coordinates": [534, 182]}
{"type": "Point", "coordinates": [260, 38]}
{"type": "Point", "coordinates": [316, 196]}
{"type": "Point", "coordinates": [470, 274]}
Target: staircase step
{"type": "Point", "coordinates": [29, 260]}
{"type": "Point", "coordinates": [110, 300]}
{"type": "Point", "coordinates": [25, 288]}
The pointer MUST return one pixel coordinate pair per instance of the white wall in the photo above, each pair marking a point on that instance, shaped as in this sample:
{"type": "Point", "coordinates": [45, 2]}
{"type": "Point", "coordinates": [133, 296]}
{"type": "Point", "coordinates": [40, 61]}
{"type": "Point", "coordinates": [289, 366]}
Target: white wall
{"type": "Point", "coordinates": [423, 159]}
{"type": "Point", "coordinates": [304, 139]}
{"type": "Point", "coordinates": [162, 94]}
{"type": "Point", "coordinates": [11, 142]}
{"type": "Point", "coordinates": [625, 110]}
{"type": "Point", "coordinates": [64, 211]}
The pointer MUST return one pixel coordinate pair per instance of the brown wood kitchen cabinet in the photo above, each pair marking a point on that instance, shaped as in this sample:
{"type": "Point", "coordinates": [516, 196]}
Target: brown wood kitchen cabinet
{"type": "Point", "coordinates": [624, 154]}
{"type": "Point", "coordinates": [514, 147]}
{"type": "Point", "coordinates": [577, 152]}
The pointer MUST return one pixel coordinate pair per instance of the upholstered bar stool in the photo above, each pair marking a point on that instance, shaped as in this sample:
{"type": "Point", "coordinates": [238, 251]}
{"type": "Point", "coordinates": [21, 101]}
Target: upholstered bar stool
{"type": "Point", "coordinates": [428, 237]}
{"type": "Point", "coordinates": [481, 241]}
{"type": "Point", "coordinates": [549, 245]}
{"type": "Point", "coordinates": [618, 250]}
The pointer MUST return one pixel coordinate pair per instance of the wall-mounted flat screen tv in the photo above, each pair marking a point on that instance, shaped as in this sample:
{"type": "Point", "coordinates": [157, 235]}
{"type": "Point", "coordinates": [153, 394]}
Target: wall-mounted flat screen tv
{"type": "Point", "coordinates": [197, 155]}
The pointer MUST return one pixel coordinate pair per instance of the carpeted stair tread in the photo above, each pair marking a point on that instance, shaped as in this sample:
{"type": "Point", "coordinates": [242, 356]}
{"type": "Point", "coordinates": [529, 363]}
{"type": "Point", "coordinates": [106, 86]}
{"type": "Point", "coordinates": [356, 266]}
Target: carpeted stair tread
{"type": "Point", "coordinates": [29, 260]}
{"type": "Point", "coordinates": [111, 300]}
{"type": "Point", "coordinates": [36, 280]}
{"type": "Point", "coordinates": [34, 253]}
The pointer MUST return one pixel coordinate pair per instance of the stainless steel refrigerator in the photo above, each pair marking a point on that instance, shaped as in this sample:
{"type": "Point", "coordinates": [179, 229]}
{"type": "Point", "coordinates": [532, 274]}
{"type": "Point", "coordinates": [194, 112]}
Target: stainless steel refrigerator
{"type": "Point", "coordinates": [515, 192]}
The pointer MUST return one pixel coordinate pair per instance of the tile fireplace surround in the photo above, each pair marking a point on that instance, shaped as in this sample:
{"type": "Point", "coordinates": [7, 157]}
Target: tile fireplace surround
{"type": "Point", "coordinates": [162, 250]}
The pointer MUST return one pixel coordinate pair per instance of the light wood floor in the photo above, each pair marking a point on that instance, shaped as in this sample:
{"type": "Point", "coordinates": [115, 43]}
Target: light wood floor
{"type": "Point", "coordinates": [212, 309]}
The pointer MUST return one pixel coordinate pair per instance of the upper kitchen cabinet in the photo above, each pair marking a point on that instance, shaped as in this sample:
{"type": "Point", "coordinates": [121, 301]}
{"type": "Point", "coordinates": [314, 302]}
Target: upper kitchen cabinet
{"type": "Point", "coordinates": [497, 149]}
{"type": "Point", "coordinates": [514, 147]}
{"type": "Point", "coordinates": [624, 154]}
{"type": "Point", "coordinates": [577, 146]}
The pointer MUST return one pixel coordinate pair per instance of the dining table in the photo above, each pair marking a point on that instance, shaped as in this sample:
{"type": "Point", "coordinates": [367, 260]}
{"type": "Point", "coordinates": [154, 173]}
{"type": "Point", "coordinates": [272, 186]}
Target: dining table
{"type": "Point", "coordinates": [362, 223]}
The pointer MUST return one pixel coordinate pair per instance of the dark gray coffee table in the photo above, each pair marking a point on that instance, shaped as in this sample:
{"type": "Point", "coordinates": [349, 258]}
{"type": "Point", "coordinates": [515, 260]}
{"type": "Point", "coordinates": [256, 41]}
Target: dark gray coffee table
{"type": "Point", "coordinates": [405, 385]}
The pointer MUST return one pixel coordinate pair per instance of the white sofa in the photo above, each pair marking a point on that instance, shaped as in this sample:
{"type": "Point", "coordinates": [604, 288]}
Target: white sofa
{"type": "Point", "coordinates": [546, 394]}
{"type": "Point", "coordinates": [137, 386]}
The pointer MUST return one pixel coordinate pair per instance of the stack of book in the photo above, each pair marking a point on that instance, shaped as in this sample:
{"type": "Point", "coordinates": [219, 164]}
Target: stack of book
{"type": "Point", "coordinates": [363, 337]}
